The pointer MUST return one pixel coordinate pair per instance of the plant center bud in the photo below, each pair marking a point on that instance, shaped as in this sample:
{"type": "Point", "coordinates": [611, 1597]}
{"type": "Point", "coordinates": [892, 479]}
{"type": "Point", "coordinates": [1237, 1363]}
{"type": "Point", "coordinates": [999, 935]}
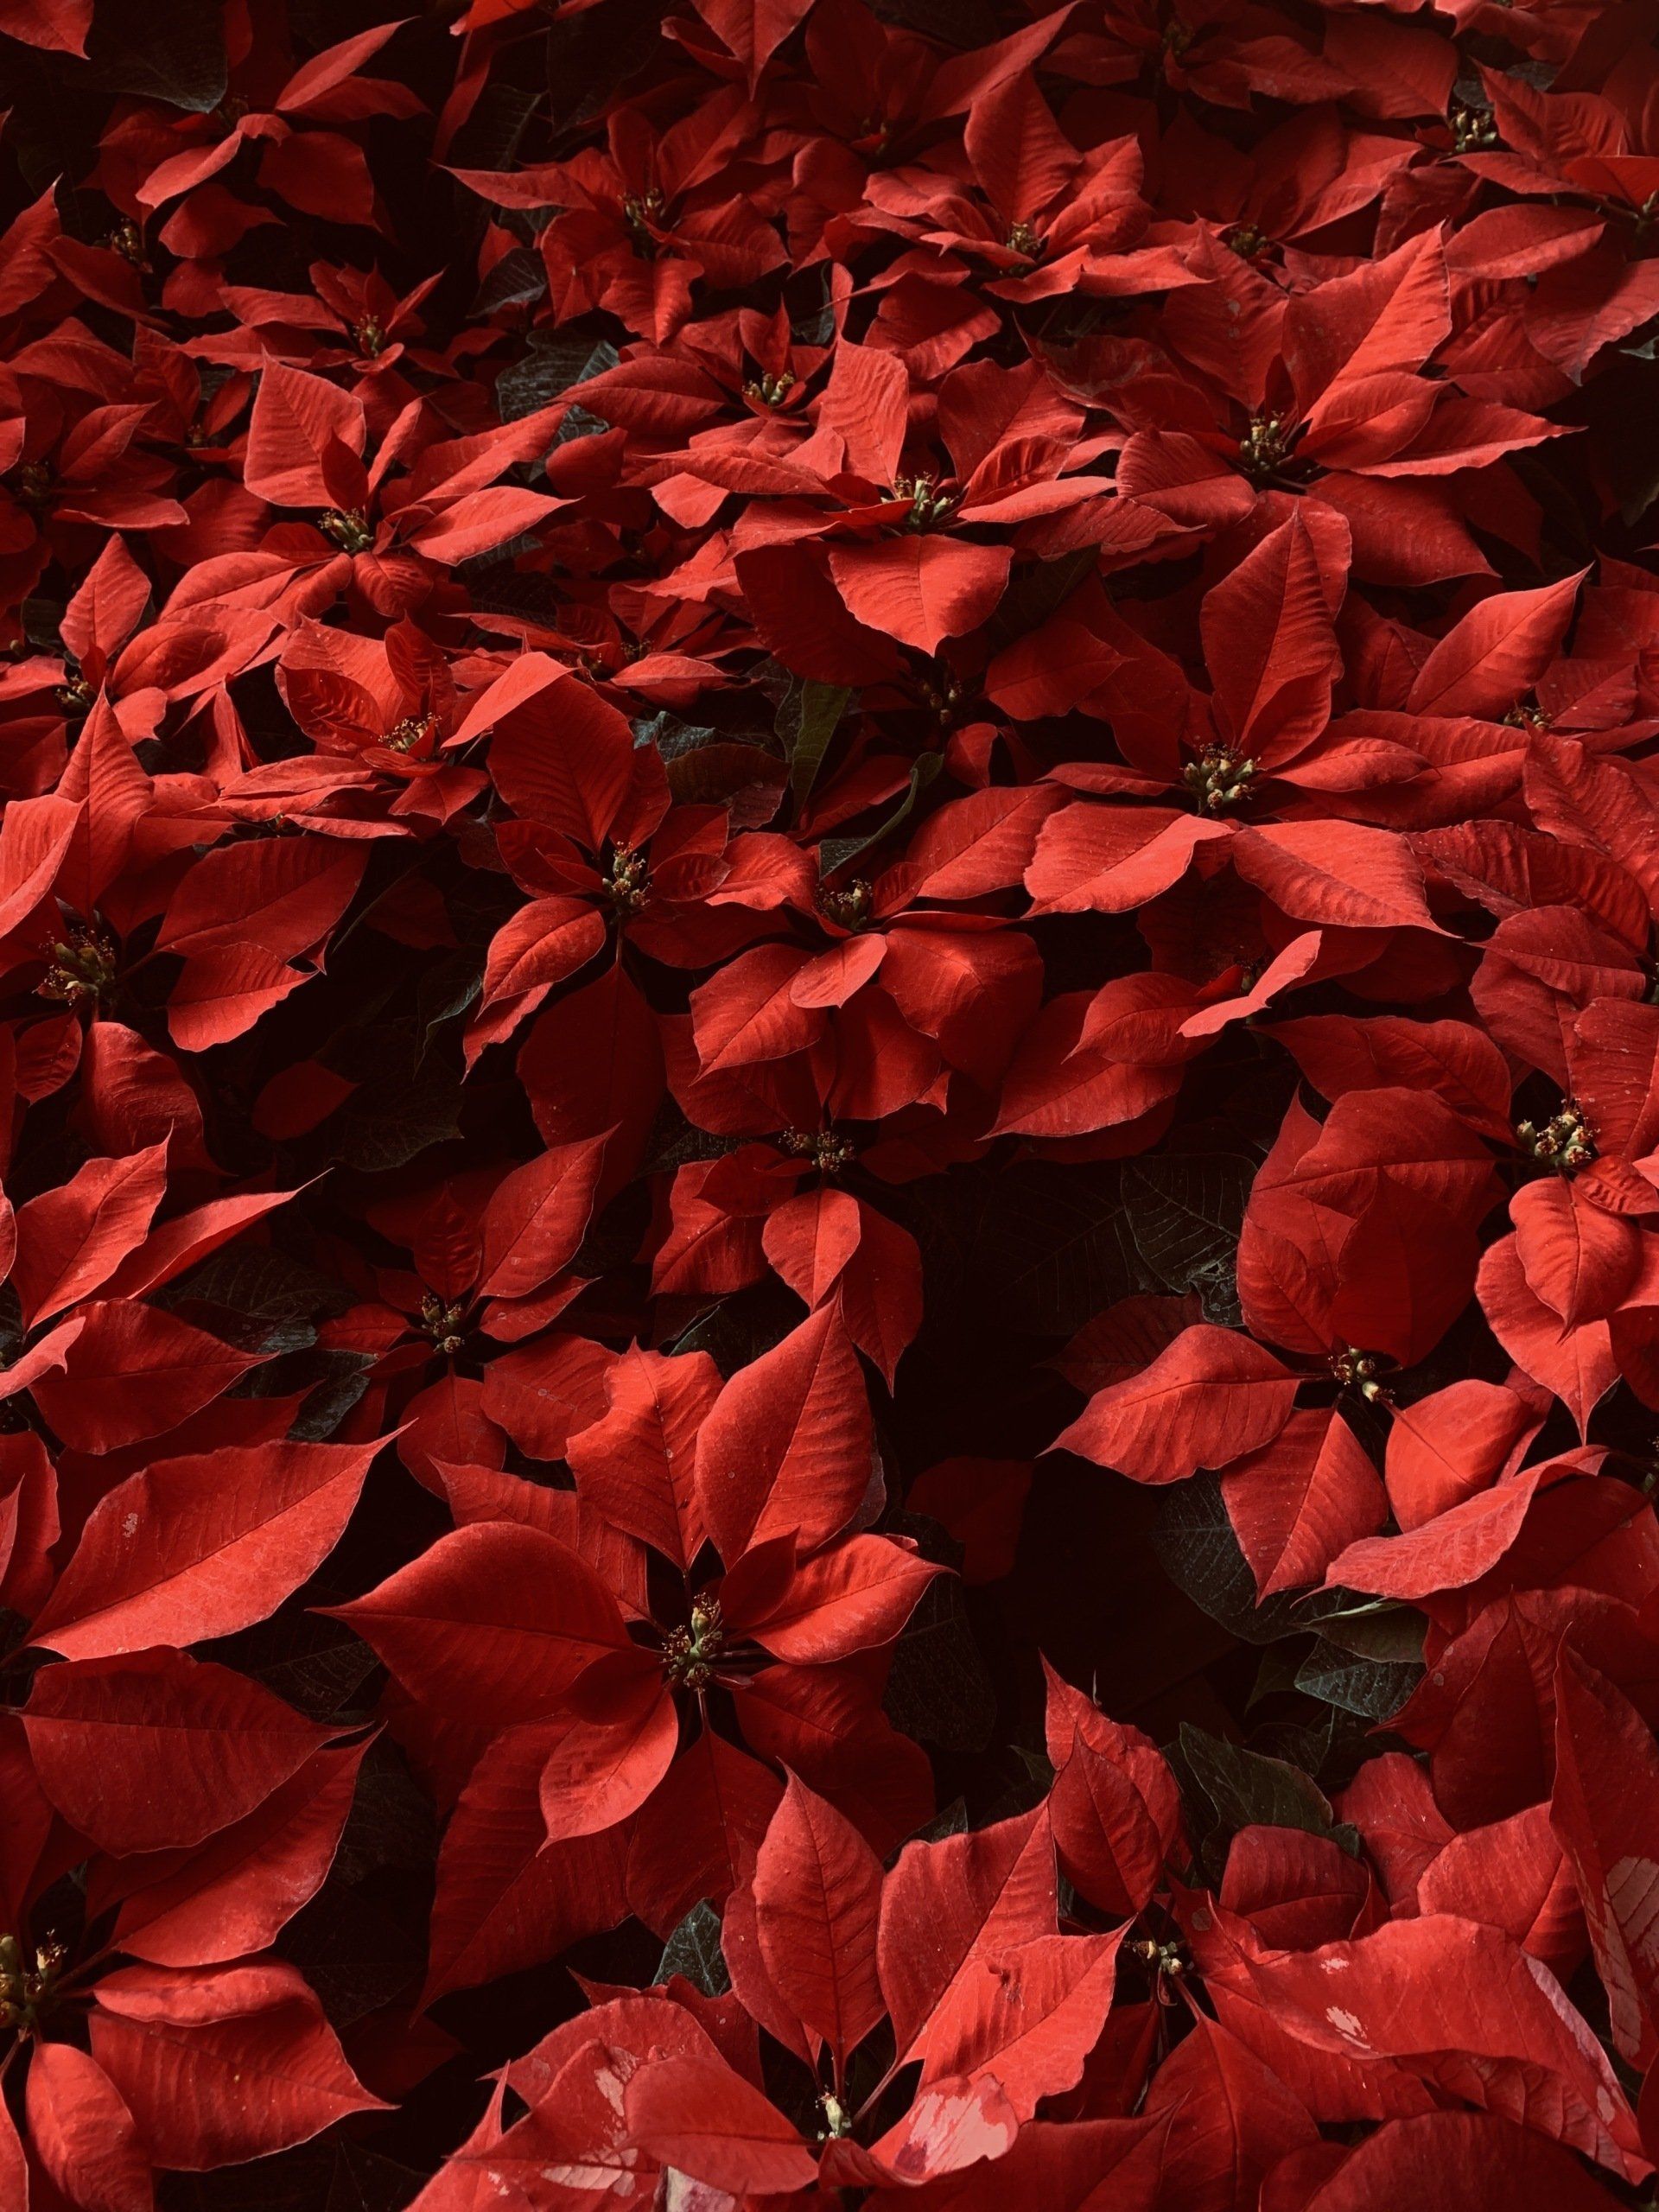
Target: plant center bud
{"type": "Point", "coordinates": [26, 1991]}
{"type": "Point", "coordinates": [445, 1323]}
{"type": "Point", "coordinates": [80, 967]}
{"type": "Point", "coordinates": [348, 527]}
{"type": "Point", "coordinates": [930, 506]}
{"type": "Point", "coordinates": [1564, 1142]}
{"type": "Point", "coordinates": [625, 885]}
{"type": "Point", "coordinates": [828, 1152]}
{"type": "Point", "coordinates": [1262, 448]}
{"type": "Point", "coordinates": [1218, 779]}
{"type": "Point", "coordinates": [689, 1654]}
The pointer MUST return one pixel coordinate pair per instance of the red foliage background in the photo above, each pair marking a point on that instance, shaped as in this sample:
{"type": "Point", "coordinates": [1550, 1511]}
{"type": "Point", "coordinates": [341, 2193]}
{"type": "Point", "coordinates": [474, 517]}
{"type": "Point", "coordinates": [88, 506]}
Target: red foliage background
{"type": "Point", "coordinates": [830, 1332]}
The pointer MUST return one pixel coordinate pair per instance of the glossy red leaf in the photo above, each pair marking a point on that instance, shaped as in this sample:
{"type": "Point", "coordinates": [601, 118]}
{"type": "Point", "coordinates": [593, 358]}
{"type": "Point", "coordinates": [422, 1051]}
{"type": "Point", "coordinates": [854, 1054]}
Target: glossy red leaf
{"type": "Point", "coordinates": [84, 2133]}
{"type": "Point", "coordinates": [1204, 1401]}
{"type": "Point", "coordinates": [698, 2116]}
{"type": "Point", "coordinates": [180, 2046]}
{"type": "Point", "coordinates": [817, 1893]}
{"type": "Point", "coordinates": [201, 1547]}
{"type": "Point", "coordinates": [1606, 1798]}
{"type": "Point", "coordinates": [785, 1448]}
{"type": "Point", "coordinates": [153, 1751]}
{"type": "Point", "coordinates": [130, 1372]}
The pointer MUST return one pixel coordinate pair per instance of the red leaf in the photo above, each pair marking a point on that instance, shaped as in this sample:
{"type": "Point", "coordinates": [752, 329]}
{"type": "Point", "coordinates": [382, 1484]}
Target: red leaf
{"type": "Point", "coordinates": [14, 2167]}
{"type": "Point", "coordinates": [1300, 1500]}
{"type": "Point", "coordinates": [235, 1894]}
{"type": "Point", "coordinates": [754, 29]}
{"type": "Point", "coordinates": [1340, 873]}
{"type": "Point", "coordinates": [536, 1217]}
{"type": "Point", "coordinates": [506, 1899]}
{"type": "Point", "coordinates": [635, 1465]}
{"type": "Point", "coordinates": [1487, 663]}
{"type": "Point", "coordinates": [817, 1893]}
{"type": "Point", "coordinates": [1115, 1809]}
{"type": "Point", "coordinates": [222, 2063]}
{"type": "Point", "coordinates": [980, 1502]}
{"type": "Point", "coordinates": [1463, 2008]}
{"type": "Point", "coordinates": [1577, 1364]}
{"type": "Point", "coordinates": [948, 1905]}
{"type": "Point", "coordinates": [1270, 643]}
{"type": "Point", "coordinates": [1444, 1447]}
{"type": "Point", "coordinates": [561, 755]}
{"type": "Point", "coordinates": [1466, 2157]}
{"type": "Point", "coordinates": [1606, 1810]}
{"type": "Point", "coordinates": [493, 1624]}
{"type": "Point", "coordinates": [242, 917]}
{"type": "Point", "coordinates": [1083, 2165]}
{"type": "Point", "coordinates": [786, 1449]}
{"type": "Point", "coordinates": [857, 1595]}
{"type": "Point", "coordinates": [296, 420]}
{"type": "Point", "coordinates": [156, 1750]}
{"type": "Point", "coordinates": [1455, 1549]}
{"type": "Point", "coordinates": [919, 589]}
{"type": "Point", "coordinates": [825, 1243]}
{"type": "Point", "coordinates": [696, 2115]}
{"type": "Point", "coordinates": [71, 1239]}
{"type": "Point", "coordinates": [1578, 1260]}
{"type": "Point", "coordinates": [543, 944]}
{"type": "Point", "coordinates": [1027, 2019]}
{"type": "Point", "coordinates": [201, 1547]}
{"type": "Point", "coordinates": [1232, 2120]}
{"type": "Point", "coordinates": [748, 1012]}
{"type": "Point", "coordinates": [84, 2134]}
{"type": "Point", "coordinates": [132, 1372]}
{"type": "Point", "coordinates": [598, 1772]}
{"type": "Point", "coordinates": [1204, 1401]}
{"type": "Point", "coordinates": [698, 1832]}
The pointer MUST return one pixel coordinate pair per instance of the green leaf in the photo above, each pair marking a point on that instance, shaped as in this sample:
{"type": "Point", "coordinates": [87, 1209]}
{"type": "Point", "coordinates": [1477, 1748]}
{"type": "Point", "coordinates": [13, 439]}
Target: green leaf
{"type": "Point", "coordinates": [553, 361]}
{"type": "Point", "coordinates": [1039, 1247]}
{"type": "Point", "coordinates": [1372, 1688]}
{"type": "Point", "coordinates": [331, 2176]}
{"type": "Point", "coordinates": [1276, 1675]}
{"type": "Point", "coordinates": [590, 56]}
{"type": "Point", "coordinates": [333, 1382]}
{"type": "Point", "coordinates": [490, 135]}
{"type": "Point", "coordinates": [812, 325]}
{"type": "Point", "coordinates": [693, 1950]}
{"type": "Point", "coordinates": [352, 1950]}
{"type": "Point", "coordinates": [174, 53]}
{"type": "Point", "coordinates": [11, 1324]}
{"type": "Point", "coordinates": [960, 23]}
{"type": "Point", "coordinates": [399, 1111]}
{"type": "Point", "coordinates": [1194, 1540]}
{"type": "Point", "coordinates": [1187, 1210]}
{"type": "Point", "coordinates": [837, 851]}
{"type": "Point", "coordinates": [323, 1675]}
{"type": "Point", "coordinates": [42, 619]}
{"type": "Point", "coordinates": [1058, 1242]}
{"type": "Point", "coordinates": [1245, 1790]}
{"type": "Point", "coordinates": [1037, 591]}
{"type": "Point", "coordinates": [504, 590]}
{"type": "Point", "coordinates": [446, 991]}
{"type": "Point", "coordinates": [263, 1283]}
{"type": "Point", "coordinates": [938, 1688]}
{"type": "Point", "coordinates": [1377, 1628]}
{"type": "Point", "coordinates": [806, 722]}
{"type": "Point", "coordinates": [952, 1820]}
{"type": "Point", "coordinates": [670, 737]}
{"type": "Point", "coordinates": [734, 1331]}
{"type": "Point", "coordinates": [517, 278]}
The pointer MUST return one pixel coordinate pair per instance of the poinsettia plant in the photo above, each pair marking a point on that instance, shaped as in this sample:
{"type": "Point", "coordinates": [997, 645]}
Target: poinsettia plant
{"type": "Point", "coordinates": [829, 1105]}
